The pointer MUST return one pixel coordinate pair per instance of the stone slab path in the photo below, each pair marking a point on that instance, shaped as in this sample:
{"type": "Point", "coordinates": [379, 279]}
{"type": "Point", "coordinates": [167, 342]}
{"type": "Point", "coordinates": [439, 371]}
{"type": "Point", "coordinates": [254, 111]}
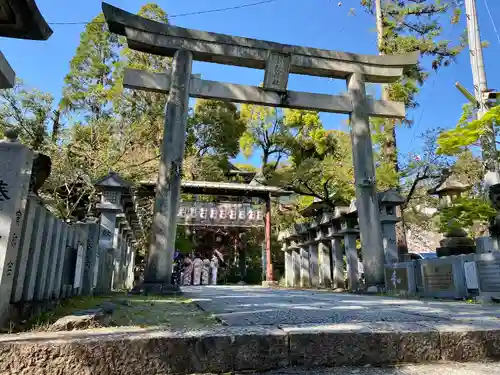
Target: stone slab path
{"type": "Point", "coordinates": [270, 329]}
{"type": "Point", "coordinates": [441, 368]}
{"type": "Point", "coordinates": [257, 306]}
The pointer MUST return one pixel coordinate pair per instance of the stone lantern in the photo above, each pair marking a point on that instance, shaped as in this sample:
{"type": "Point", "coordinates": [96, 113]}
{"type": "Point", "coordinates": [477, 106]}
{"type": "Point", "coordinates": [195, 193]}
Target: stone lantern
{"type": "Point", "coordinates": [388, 202]}
{"type": "Point", "coordinates": [456, 241]}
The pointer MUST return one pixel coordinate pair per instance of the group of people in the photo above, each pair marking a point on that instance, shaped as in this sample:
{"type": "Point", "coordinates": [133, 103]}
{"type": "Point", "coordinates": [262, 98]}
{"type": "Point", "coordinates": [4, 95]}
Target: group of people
{"type": "Point", "coordinates": [195, 269]}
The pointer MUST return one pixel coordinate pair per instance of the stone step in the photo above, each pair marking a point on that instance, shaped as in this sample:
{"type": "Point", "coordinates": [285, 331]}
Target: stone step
{"type": "Point", "coordinates": [228, 349]}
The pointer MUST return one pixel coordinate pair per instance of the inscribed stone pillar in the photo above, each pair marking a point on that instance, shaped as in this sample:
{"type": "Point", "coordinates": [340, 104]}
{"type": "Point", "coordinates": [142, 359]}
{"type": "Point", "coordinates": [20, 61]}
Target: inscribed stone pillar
{"type": "Point", "coordinates": [34, 258]}
{"type": "Point", "coordinates": [45, 255]}
{"type": "Point", "coordinates": [81, 256]}
{"type": "Point", "coordinates": [338, 263]}
{"type": "Point", "coordinates": [305, 278]}
{"type": "Point", "coordinates": [325, 264]}
{"type": "Point", "coordinates": [364, 175]}
{"type": "Point", "coordinates": [313, 264]}
{"type": "Point", "coordinates": [15, 173]}
{"type": "Point", "coordinates": [90, 256]}
{"type": "Point", "coordinates": [160, 257]}
{"type": "Point", "coordinates": [25, 246]}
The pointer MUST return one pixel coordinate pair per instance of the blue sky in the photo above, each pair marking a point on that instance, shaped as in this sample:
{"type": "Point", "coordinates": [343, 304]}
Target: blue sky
{"type": "Point", "coordinates": [314, 23]}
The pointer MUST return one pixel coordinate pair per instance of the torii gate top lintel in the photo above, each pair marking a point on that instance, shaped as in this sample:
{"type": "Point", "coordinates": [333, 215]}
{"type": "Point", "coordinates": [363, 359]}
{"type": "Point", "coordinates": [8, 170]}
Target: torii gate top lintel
{"type": "Point", "coordinates": [154, 37]}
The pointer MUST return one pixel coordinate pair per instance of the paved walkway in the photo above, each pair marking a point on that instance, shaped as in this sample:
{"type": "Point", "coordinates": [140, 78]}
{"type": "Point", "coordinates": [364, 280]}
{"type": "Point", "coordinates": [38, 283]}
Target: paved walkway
{"type": "Point", "coordinates": [249, 306]}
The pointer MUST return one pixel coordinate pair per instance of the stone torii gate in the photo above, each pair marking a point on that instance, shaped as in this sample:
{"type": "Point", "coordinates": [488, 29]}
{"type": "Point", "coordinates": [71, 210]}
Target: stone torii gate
{"type": "Point", "coordinates": [278, 61]}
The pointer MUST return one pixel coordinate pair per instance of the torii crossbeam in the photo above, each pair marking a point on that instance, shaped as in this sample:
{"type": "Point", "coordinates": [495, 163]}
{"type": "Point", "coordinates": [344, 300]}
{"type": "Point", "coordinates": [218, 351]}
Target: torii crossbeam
{"type": "Point", "coordinates": [278, 61]}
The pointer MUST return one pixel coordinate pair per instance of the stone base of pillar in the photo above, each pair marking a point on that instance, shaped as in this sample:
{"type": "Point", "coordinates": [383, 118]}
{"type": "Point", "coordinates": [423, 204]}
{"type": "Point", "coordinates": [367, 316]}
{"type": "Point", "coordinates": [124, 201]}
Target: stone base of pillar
{"type": "Point", "coordinates": [157, 288]}
{"type": "Point", "coordinates": [269, 284]}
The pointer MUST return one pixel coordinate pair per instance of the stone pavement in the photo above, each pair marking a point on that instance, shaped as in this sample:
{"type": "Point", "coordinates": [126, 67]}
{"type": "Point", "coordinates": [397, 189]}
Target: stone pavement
{"type": "Point", "coordinates": [490, 368]}
{"type": "Point", "coordinates": [257, 306]}
{"type": "Point", "coordinates": [271, 329]}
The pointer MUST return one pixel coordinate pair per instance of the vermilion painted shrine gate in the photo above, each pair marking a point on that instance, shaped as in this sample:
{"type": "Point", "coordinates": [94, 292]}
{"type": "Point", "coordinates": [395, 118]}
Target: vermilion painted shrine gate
{"type": "Point", "coordinates": [278, 61]}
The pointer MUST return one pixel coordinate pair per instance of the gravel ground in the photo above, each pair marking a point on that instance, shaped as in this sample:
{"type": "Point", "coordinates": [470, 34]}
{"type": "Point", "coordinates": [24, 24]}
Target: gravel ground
{"type": "Point", "coordinates": [441, 368]}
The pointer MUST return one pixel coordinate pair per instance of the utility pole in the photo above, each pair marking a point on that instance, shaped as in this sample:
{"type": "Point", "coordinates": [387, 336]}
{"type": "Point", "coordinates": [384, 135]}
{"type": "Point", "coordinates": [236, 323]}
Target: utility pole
{"type": "Point", "coordinates": [380, 28]}
{"type": "Point", "coordinates": [488, 144]}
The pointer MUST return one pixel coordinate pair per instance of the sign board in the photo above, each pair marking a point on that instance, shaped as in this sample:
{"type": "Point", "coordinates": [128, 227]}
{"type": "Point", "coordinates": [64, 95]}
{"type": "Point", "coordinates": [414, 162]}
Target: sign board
{"type": "Point", "coordinates": [471, 275]}
{"type": "Point", "coordinates": [438, 277]}
{"type": "Point", "coordinates": [400, 278]}
{"type": "Point", "coordinates": [277, 69]}
{"type": "Point", "coordinates": [220, 214]}
{"type": "Point", "coordinates": [78, 268]}
{"type": "Point", "coordinates": [488, 270]}
{"type": "Point", "coordinates": [445, 277]}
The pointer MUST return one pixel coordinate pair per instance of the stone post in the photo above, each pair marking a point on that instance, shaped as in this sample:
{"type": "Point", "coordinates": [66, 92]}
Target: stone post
{"type": "Point", "coordinates": [34, 258]}
{"type": "Point", "coordinates": [364, 175]}
{"type": "Point", "coordinates": [91, 258]}
{"type": "Point", "coordinates": [305, 277]}
{"type": "Point", "coordinates": [45, 255]}
{"type": "Point", "coordinates": [81, 256]}
{"type": "Point", "coordinates": [15, 173]}
{"type": "Point", "coordinates": [56, 246]}
{"type": "Point", "coordinates": [288, 268]}
{"type": "Point", "coordinates": [61, 261]}
{"type": "Point", "coordinates": [27, 243]}
{"type": "Point", "coordinates": [350, 236]}
{"type": "Point", "coordinates": [313, 264]}
{"type": "Point", "coordinates": [337, 254]}
{"type": "Point", "coordinates": [160, 257]}
{"type": "Point", "coordinates": [297, 264]}
{"type": "Point", "coordinates": [117, 250]}
{"type": "Point", "coordinates": [325, 269]}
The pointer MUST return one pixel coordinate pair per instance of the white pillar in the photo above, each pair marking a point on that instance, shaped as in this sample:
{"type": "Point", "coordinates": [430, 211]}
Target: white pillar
{"type": "Point", "coordinates": [15, 173]}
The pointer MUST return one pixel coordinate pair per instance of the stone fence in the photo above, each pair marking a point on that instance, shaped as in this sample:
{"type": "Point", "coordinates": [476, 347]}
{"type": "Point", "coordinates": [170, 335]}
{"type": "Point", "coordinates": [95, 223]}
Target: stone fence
{"type": "Point", "coordinates": [44, 259]}
{"type": "Point", "coordinates": [314, 252]}
{"type": "Point", "coordinates": [314, 257]}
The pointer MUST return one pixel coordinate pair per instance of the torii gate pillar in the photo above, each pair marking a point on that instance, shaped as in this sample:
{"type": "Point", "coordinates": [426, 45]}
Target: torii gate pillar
{"type": "Point", "coordinates": [168, 188]}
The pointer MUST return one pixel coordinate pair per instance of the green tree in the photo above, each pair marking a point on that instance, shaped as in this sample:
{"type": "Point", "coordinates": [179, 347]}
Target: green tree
{"type": "Point", "coordinates": [89, 83]}
{"type": "Point", "coordinates": [410, 26]}
{"type": "Point", "coordinates": [29, 112]}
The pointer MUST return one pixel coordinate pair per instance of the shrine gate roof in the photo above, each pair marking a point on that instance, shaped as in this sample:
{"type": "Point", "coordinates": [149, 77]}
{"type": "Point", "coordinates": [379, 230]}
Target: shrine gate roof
{"type": "Point", "coordinates": [224, 188]}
